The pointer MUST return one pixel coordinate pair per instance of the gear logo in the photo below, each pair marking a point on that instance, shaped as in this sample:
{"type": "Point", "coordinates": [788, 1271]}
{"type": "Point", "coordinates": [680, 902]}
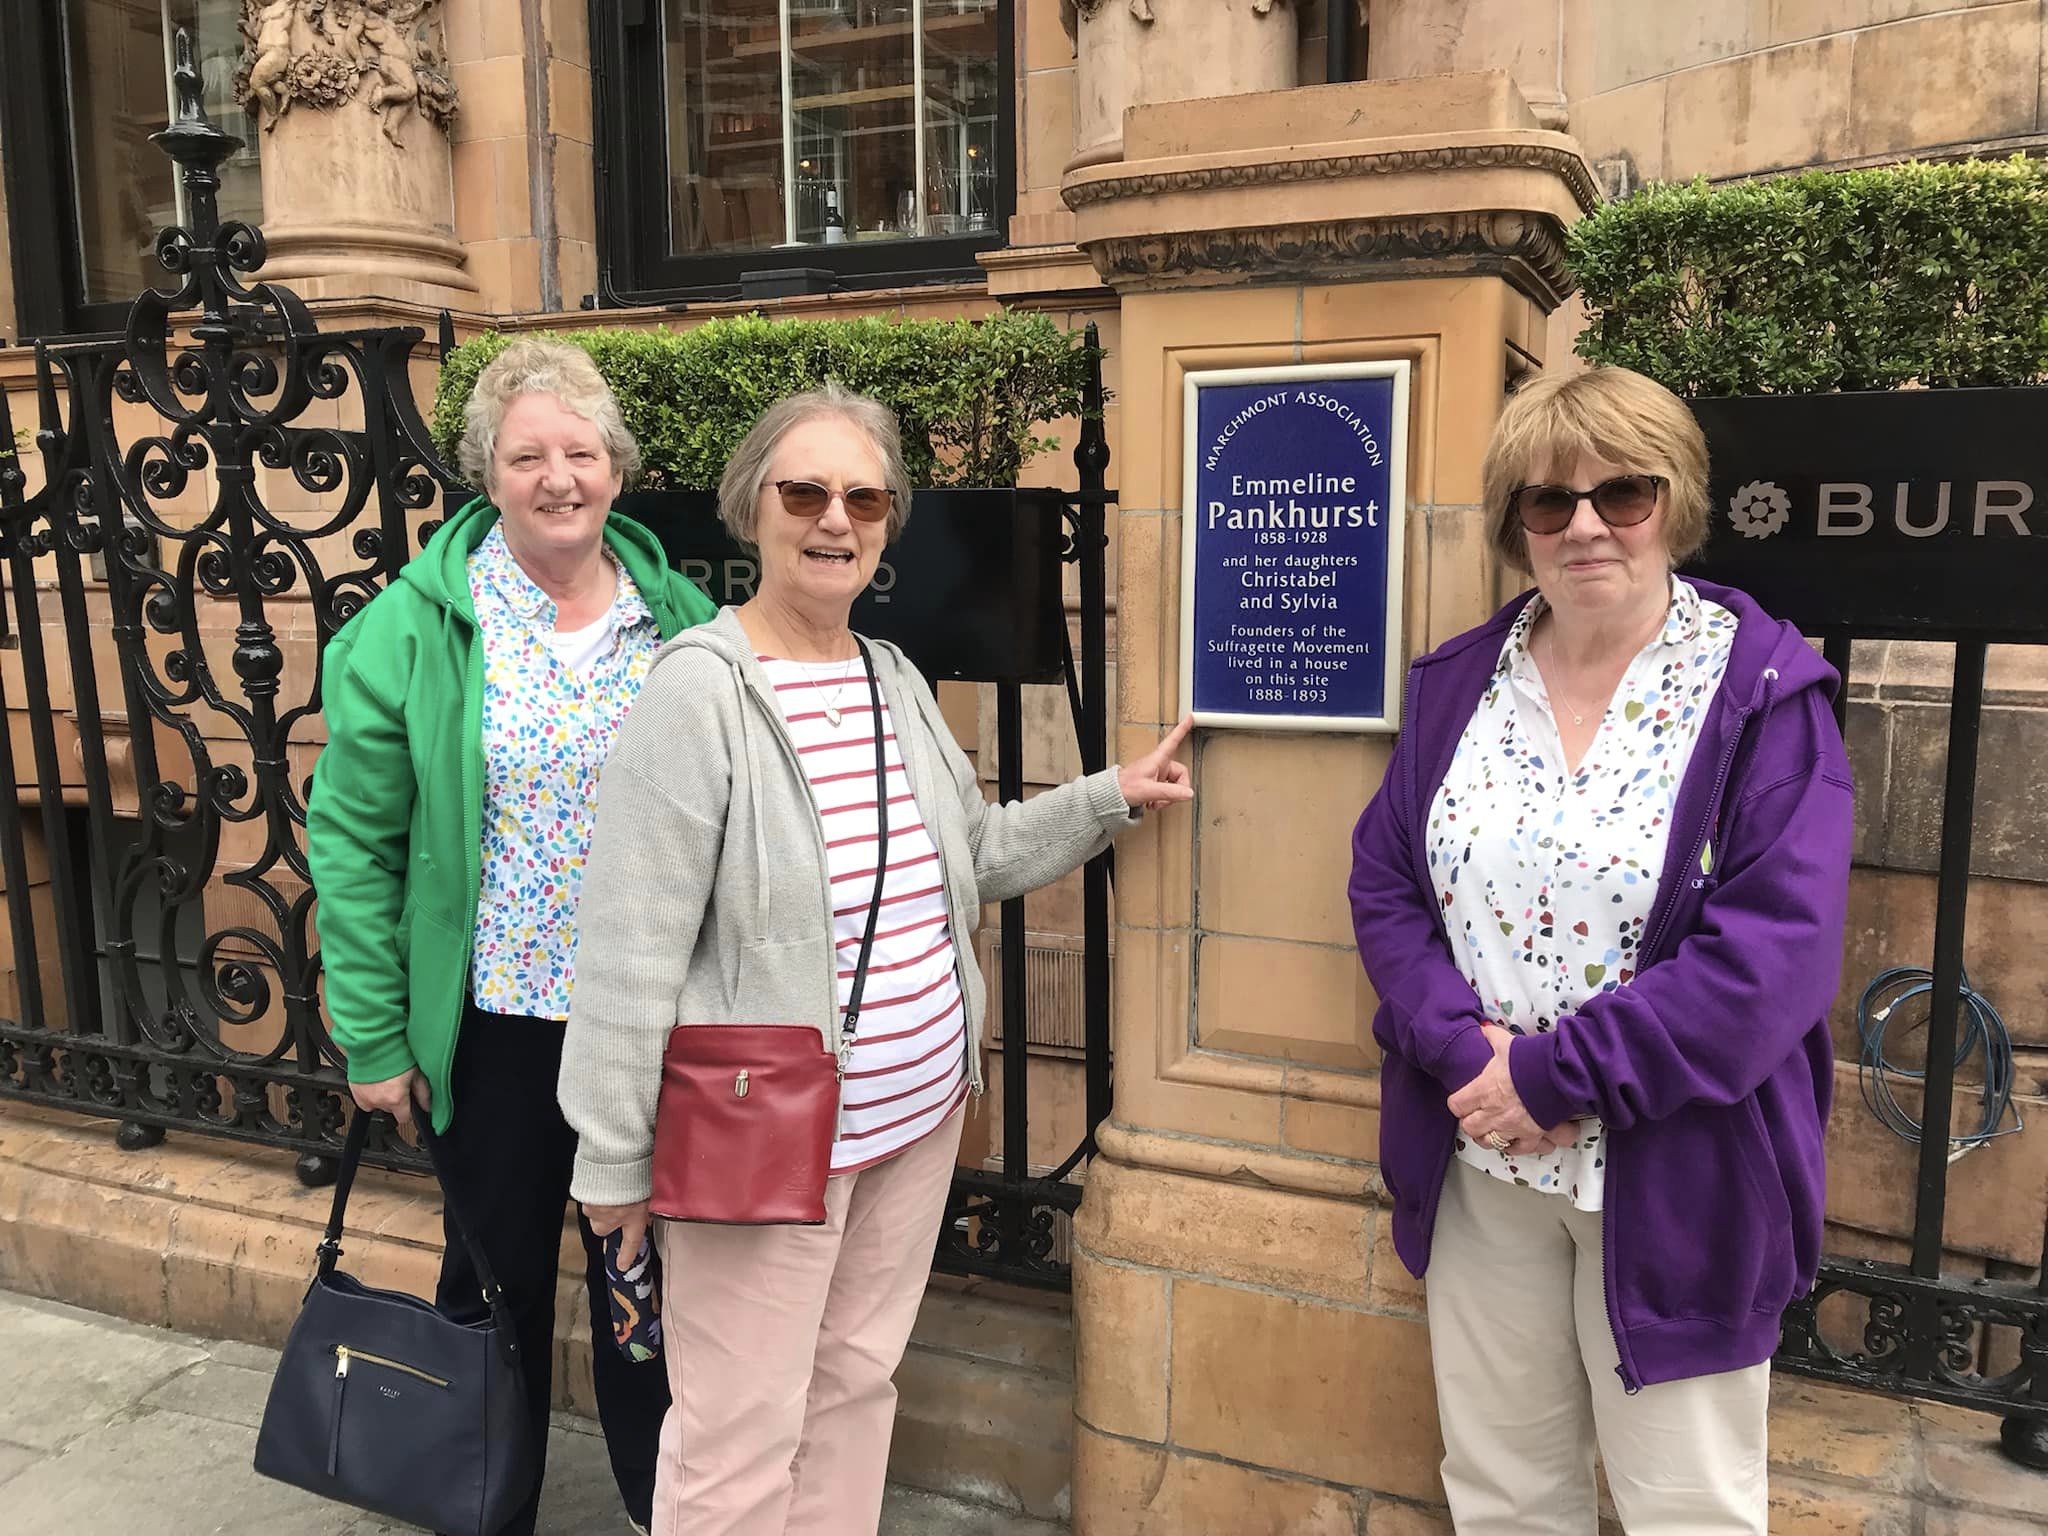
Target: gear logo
{"type": "Point", "coordinates": [1759, 509]}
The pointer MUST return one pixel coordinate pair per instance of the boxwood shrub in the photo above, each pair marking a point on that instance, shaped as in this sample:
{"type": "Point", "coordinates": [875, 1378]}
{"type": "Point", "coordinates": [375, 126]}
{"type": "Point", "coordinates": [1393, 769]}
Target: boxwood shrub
{"type": "Point", "coordinates": [972, 395]}
{"type": "Point", "coordinates": [1914, 274]}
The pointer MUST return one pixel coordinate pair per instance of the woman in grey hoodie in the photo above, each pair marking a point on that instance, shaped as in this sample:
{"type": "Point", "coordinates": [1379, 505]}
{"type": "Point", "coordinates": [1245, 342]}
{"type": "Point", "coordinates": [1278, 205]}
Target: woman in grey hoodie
{"type": "Point", "coordinates": [732, 878]}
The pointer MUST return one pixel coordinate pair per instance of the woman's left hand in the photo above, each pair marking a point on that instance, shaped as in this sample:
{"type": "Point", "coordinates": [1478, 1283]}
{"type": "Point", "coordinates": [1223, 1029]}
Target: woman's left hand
{"type": "Point", "coordinates": [1488, 1106]}
{"type": "Point", "coordinates": [630, 1221]}
{"type": "Point", "coordinates": [1156, 780]}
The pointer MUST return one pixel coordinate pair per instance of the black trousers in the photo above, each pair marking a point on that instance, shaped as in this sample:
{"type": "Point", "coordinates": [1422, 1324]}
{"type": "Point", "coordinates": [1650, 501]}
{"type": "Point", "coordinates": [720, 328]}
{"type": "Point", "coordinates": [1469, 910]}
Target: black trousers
{"type": "Point", "coordinates": [509, 1156]}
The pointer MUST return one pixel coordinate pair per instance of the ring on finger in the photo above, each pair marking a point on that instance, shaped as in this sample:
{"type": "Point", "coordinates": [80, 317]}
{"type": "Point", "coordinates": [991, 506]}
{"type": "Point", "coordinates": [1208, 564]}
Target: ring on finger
{"type": "Point", "coordinates": [1495, 1140]}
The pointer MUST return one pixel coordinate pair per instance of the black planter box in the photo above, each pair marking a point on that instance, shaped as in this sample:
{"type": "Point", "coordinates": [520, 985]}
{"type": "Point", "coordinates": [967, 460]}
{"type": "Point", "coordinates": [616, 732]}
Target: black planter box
{"type": "Point", "coordinates": [1909, 514]}
{"type": "Point", "coordinates": [971, 590]}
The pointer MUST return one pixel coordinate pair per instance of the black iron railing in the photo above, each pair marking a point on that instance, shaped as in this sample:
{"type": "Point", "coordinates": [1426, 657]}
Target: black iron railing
{"type": "Point", "coordinates": [1970, 1341]}
{"type": "Point", "coordinates": [199, 569]}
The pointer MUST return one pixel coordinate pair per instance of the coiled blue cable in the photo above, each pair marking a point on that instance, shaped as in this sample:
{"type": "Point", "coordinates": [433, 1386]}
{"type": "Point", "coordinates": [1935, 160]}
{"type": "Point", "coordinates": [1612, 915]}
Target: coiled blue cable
{"type": "Point", "coordinates": [1982, 1029]}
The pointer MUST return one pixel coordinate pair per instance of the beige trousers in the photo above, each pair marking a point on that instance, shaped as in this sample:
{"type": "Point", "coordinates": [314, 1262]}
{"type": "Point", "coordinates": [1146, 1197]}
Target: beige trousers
{"type": "Point", "coordinates": [1526, 1385]}
{"type": "Point", "coordinates": [781, 1344]}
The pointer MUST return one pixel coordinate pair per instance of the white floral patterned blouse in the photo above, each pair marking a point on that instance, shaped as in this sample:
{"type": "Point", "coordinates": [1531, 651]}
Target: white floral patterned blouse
{"type": "Point", "coordinates": [548, 725]}
{"type": "Point", "coordinates": [1547, 878]}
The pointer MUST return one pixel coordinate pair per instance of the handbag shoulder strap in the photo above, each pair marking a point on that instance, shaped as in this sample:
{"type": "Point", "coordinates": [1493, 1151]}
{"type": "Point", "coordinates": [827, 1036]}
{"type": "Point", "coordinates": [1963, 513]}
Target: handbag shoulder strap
{"type": "Point", "coordinates": [850, 1025]}
{"type": "Point", "coordinates": [345, 1177]}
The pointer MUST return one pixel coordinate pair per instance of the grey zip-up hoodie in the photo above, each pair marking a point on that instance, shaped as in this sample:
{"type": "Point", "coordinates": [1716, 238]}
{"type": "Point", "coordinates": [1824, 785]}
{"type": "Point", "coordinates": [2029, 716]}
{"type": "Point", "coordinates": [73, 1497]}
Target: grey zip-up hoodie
{"type": "Point", "coordinates": [706, 899]}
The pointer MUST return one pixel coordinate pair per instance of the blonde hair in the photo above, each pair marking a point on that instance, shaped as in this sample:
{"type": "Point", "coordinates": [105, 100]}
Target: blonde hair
{"type": "Point", "coordinates": [541, 366]}
{"type": "Point", "coordinates": [739, 488]}
{"type": "Point", "coordinates": [1613, 414]}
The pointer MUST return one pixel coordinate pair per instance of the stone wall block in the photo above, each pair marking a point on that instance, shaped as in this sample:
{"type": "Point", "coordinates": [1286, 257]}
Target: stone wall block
{"type": "Point", "coordinates": [2009, 836]}
{"type": "Point", "coordinates": [1995, 1194]}
{"type": "Point", "coordinates": [1629, 121]}
{"type": "Point", "coordinates": [1390, 1517]}
{"type": "Point", "coordinates": [1148, 604]}
{"type": "Point", "coordinates": [1297, 1002]}
{"type": "Point", "coordinates": [1891, 922]}
{"type": "Point", "coordinates": [1858, 1436]}
{"type": "Point", "coordinates": [1763, 111]}
{"type": "Point", "coordinates": [1048, 128]}
{"type": "Point", "coordinates": [1281, 876]}
{"type": "Point", "coordinates": [1415, 37]}
{"type": "Point", "coordinates": [1253, 1234]}
{"type": "Point", "coordinates": [1355, 1406]}
{"type": "Point", "coordinates": [1124, 1488]}
{"type": "Point", "coordinates": [1464, 573]}
{"type": "Point", "coordinates": [1120, 1347]}
{"type": "Point", "coordinates": [1962, 75]}
{"type": "Point", "coordinates": [1349, 1131]}
{"type": "Point", "coordinates": [1630, 42]}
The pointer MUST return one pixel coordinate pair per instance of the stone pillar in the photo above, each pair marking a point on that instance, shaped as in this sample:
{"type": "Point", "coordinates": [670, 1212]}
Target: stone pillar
{"type": "Point", "coordinates": [1133, 53]}
{"type": "Point", "coordinates": [354, 100]}
{"type": "Point", "coordinates": [1251, 1355]}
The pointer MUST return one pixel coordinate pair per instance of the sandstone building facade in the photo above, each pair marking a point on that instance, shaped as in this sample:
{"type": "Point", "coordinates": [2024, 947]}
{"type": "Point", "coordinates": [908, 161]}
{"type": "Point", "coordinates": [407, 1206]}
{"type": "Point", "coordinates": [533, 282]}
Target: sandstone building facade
{"type": "Point", "coordinates": [1213, 184]}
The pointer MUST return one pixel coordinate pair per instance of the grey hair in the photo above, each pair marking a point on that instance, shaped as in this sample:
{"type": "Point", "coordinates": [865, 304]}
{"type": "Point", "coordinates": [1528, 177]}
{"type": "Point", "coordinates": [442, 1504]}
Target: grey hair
{"type": "Point", "coordinates": [540, 365]}
{"type": "Point", "coordinates": [739, 488]}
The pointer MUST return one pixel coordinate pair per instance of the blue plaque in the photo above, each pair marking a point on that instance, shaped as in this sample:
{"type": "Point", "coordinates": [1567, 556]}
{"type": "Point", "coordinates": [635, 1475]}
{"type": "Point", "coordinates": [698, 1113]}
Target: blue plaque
{"type": "Point", "coordinates": [1294, 503]}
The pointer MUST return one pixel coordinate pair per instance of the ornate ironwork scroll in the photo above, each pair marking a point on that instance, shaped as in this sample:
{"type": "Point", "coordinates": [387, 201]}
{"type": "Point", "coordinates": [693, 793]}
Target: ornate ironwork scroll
{"type": "Point", "coordinates": [224, 485]}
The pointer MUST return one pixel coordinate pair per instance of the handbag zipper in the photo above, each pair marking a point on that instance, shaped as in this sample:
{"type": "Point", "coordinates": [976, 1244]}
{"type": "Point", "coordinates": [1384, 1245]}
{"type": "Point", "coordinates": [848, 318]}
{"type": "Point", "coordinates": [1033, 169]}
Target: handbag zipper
{"type": "Point", "coordinates": [343, 1354]}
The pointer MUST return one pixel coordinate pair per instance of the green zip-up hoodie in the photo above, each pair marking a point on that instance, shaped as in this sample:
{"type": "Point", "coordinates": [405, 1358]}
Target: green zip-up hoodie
{"type": "Point", "coordinates": [394, 829]}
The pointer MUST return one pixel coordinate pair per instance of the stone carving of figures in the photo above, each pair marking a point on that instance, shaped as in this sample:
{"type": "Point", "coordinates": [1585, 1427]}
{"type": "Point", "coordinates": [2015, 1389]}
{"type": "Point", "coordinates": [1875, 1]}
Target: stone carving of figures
{"type": "Point", "coordinates": [386, 29]}
{"type": "Point", "coordinates": [268, 26]}
{"type": "Point", "coordinates": [327, 51]}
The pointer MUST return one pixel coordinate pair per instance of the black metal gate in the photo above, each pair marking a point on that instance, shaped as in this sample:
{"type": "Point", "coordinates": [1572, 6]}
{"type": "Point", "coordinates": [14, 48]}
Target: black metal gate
{"type": "Point", "coordinates": [1904, 516]}
{"type": "Point", "coordinates": [171, 590]}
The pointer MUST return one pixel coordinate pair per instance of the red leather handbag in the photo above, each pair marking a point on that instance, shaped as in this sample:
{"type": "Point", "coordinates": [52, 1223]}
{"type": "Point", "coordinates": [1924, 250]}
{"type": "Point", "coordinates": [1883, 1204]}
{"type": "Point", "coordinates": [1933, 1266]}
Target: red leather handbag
{"type": "Point", "coordinates": [744, 1126]}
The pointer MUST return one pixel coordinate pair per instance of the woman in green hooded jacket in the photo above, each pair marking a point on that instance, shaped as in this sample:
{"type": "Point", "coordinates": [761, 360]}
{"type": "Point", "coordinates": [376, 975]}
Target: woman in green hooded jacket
{"type": "Point", "coordinates": [470, 707]}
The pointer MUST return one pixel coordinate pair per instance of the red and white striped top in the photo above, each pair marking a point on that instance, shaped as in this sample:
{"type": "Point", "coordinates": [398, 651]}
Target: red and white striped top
{"type": "Point", "coordinates": [908, 1071]}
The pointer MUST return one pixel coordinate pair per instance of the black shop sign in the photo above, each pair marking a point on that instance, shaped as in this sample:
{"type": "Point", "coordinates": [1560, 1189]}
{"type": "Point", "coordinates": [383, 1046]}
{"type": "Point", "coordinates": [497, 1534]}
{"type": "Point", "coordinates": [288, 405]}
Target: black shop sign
{"type": "Point", "coordinates": [1895, 514]}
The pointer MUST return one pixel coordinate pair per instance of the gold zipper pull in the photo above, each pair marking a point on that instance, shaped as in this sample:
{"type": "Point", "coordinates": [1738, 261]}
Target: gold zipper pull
{"type": "Point", "coordinates": [340, 1360]}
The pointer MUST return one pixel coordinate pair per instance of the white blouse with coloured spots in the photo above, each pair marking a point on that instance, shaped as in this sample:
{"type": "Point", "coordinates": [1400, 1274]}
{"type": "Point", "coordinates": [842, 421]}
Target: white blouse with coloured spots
{"type": "Point", "coordinates": [1547, 877]}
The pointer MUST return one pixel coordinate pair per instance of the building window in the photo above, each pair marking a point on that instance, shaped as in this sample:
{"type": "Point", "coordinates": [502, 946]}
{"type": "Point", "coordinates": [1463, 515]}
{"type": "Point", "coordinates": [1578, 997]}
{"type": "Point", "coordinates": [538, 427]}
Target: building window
{"type": "Point", "coordinates": [870, 138]}
{"type": "Point", "coordinates": [88, 81]}
{"type": "Point", "coordinates": [118, 59]}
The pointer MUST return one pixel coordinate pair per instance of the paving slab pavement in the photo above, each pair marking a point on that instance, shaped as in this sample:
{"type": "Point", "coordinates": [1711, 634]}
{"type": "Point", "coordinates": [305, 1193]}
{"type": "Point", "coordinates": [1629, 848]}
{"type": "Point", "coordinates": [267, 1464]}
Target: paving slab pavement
{"type": "Point", "coordinates": [106, 1425]}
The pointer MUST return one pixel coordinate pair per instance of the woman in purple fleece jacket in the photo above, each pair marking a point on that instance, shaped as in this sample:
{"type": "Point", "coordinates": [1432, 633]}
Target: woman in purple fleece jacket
{"type": "Point", "coordinates": [1600, 895]}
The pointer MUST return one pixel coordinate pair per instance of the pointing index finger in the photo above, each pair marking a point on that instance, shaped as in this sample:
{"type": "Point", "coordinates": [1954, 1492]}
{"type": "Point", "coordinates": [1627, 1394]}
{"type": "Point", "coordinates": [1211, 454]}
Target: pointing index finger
{"type": "Point", "coordinates": [1170, 743]}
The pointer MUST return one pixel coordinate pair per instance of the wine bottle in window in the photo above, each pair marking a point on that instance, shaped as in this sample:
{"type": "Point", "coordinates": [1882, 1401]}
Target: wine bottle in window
{"type": "Point", "coordinates": [835, 226]}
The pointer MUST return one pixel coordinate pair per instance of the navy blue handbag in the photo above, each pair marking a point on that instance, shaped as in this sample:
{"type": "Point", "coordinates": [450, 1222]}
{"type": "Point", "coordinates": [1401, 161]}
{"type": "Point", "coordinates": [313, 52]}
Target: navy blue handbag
{"type": "Point", "coordinates": [382, 1402]}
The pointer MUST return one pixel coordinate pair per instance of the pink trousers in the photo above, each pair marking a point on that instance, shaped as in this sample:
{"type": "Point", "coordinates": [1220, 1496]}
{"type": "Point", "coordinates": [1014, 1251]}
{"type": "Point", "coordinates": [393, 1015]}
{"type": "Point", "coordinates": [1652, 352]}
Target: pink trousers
{"type": "Point", "coordinates": [781, 1344]}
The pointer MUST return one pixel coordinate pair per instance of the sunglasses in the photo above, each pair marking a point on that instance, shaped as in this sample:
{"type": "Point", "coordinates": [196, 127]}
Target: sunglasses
{"type": "Point", "coordinates": [807, 498]}
{"type": "Point", "coordinates": [1621, 502]}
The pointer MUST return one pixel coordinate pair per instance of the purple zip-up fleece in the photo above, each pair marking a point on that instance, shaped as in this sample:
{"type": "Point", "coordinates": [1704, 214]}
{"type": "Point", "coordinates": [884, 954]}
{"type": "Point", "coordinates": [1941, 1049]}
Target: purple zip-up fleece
{"type": "Point", "coordinates": [1712, 1070]}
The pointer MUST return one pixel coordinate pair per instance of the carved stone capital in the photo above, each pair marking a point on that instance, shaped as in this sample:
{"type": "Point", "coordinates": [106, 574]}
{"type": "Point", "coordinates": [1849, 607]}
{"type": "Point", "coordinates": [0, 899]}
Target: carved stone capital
{"type": "Point", "coordinates": [325, 53]}
{"type": "Point", "coordinates": [1527, 250]}
{"type": "Point", "coordinates": [1447, 175]}
{"type": "Point", "coordinates": [1560, 159]}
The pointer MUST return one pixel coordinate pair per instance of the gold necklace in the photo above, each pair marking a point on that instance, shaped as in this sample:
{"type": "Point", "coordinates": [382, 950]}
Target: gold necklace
{"type": "Point", "coordinates": [1557, 670]}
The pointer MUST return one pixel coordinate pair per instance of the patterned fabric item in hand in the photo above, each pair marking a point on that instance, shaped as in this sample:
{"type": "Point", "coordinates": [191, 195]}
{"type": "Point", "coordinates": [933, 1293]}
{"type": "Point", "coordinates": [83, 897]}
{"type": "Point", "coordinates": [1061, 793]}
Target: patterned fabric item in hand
{"type": "Point", "coordinates": [636, 1298]}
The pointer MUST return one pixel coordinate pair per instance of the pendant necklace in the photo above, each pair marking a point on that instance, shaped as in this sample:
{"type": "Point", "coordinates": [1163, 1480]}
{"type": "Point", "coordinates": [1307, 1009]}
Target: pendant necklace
{"type": "Point", "coordinates": [832, 714]}
{"type": "Point", "coordinates": [1557, 693]}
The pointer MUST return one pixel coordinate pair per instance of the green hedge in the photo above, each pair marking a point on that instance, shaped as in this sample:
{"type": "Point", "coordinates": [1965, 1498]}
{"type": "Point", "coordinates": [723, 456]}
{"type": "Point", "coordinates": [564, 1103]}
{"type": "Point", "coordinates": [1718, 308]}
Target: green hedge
{"type": "Point", "coordinates": [971, 394]}
{"type": "Point", "coordinates": [1934, 275]}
